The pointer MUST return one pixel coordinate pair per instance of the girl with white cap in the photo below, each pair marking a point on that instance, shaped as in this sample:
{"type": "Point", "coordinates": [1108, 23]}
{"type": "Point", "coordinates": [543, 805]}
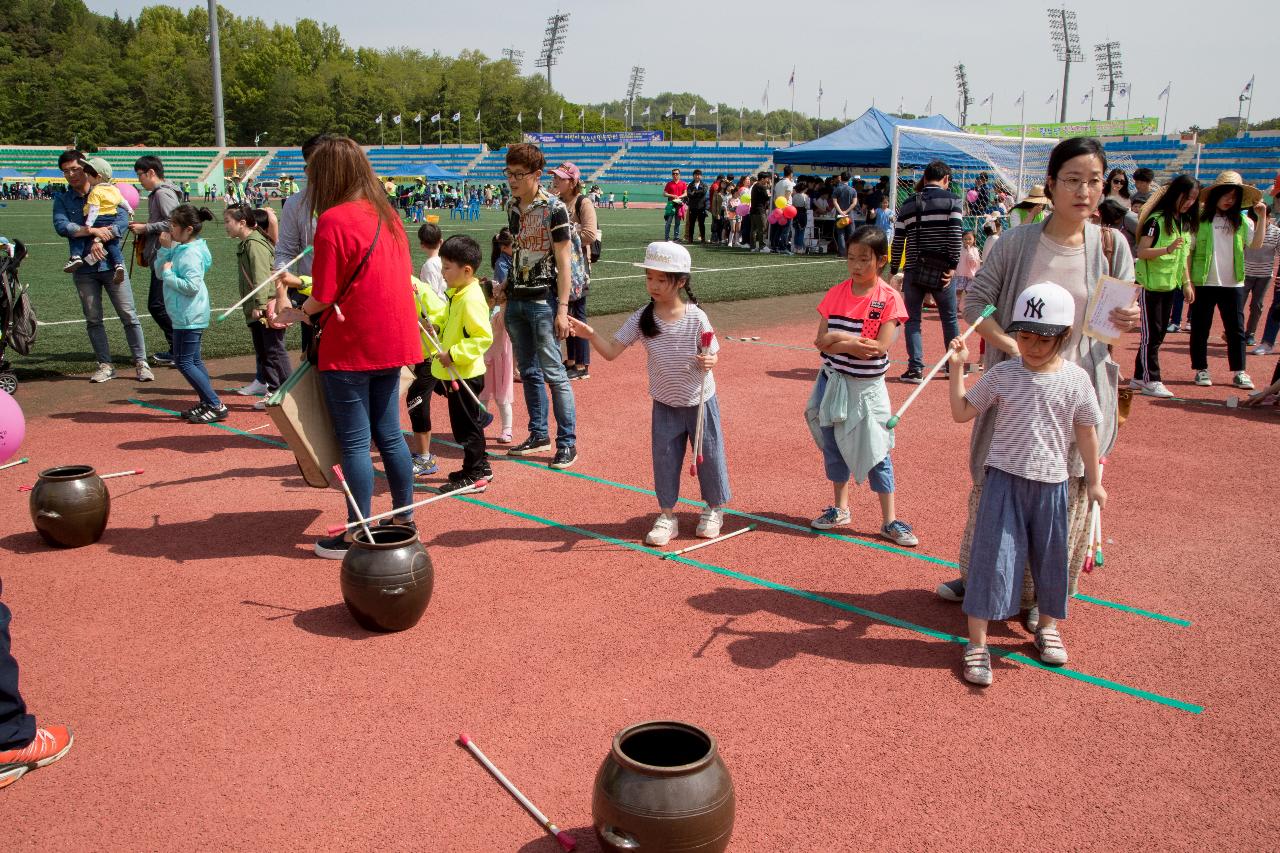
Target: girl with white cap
{"type": "Point", "coordinates": [673, 329]}
{"type": "Point", "coordinates": [1042, 404]}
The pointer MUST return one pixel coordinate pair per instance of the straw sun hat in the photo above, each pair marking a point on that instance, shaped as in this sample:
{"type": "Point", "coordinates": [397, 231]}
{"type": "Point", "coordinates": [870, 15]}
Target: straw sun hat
{"type": "Point", "coordinates": [1249, 196]}
{"type": "Point", "coordinates": [1036, 196]}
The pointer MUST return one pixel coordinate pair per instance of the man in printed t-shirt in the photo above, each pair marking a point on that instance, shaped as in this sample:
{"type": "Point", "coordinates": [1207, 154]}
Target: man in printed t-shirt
{"type": "Point", "coordinates": [537, 314]}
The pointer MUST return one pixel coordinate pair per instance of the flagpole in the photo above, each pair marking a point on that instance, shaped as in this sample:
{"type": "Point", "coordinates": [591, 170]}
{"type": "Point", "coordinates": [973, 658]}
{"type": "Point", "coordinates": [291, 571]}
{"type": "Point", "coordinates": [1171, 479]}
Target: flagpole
{"type": "Point", "coordinates": [1168, 96]}
{"type": "Point", "coordinates": [440, 128]}
{"type": "Point", "coordinates": [400, 124]}
{"type": "Point", "coordinates": [1128, 103]}
{"type": "Point", "coordinates": [991, 109]}
{"type": "Point", "coordinates": [418, 121]}
{"type": "Point", "coordinates": [1249, 112]}
{"type": "Point", "coordinates": [1023, 119]}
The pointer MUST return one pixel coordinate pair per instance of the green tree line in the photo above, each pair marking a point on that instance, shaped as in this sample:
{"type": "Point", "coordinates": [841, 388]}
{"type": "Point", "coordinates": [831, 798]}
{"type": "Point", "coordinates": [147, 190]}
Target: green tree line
{"type": "Point", "coordinates": [68, 74]}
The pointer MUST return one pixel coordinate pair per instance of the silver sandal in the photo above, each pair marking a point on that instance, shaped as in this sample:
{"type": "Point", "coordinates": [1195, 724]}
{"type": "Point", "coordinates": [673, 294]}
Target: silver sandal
{"type": "Point", "coordinates": [1049, 642]}
{"type": "Point", "coordinates": [977, 665]}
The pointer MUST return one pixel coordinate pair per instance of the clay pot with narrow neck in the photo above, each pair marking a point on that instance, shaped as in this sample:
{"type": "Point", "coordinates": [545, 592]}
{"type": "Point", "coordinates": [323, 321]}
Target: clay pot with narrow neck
{"type": "Point", "coordinates": [663, 787]}
{"type": "Point", "coordinates": [387, 581]}
{"type": "Point", "coordinates": [70, 506]}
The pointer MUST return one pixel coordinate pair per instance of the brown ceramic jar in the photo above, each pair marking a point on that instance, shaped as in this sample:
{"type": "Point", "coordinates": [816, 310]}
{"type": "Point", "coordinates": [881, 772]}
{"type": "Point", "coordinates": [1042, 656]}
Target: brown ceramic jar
{"type": "Point", "coordinates": [387, 583]}
{"type": "Point", "coordinates": [70, 506]}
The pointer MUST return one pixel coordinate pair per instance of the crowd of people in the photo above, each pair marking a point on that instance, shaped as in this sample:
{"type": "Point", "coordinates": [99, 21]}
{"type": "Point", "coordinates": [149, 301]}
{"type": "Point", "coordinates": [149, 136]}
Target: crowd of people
{"type": "Point", "coordinates": [1046, 408]}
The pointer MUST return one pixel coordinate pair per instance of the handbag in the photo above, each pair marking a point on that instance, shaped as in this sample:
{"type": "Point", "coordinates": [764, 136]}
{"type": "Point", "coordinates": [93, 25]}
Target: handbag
{"type": "Point", "coordinates": [322, 319]}
{"type": "Point", "coordinates": [931, 271]}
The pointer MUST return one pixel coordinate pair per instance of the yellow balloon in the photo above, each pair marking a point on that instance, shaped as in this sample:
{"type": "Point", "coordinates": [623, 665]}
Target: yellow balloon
{"type": "Point", "coordinates": [780, 202]}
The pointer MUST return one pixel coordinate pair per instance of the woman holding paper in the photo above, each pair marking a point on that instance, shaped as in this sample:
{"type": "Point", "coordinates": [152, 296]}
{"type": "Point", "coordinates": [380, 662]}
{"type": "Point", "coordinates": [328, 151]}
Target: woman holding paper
{"type": "Point", "coordinates": [1066, 248]}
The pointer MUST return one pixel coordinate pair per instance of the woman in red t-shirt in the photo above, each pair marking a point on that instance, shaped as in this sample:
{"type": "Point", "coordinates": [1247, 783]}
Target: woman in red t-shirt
{"type": "Point", "coordinates": [362, 268]}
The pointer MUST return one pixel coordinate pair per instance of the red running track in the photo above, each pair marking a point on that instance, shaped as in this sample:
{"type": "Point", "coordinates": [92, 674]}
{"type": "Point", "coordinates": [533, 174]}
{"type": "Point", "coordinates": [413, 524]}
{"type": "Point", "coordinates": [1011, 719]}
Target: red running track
{"type": "Point", "coordinates": [223, 699]}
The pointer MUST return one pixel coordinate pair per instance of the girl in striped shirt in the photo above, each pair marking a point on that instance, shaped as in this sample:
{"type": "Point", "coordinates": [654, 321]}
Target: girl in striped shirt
{"type": "Point", "coordinates": [671, 327]}
{"type": "Point", "coordinates": [850, 404]}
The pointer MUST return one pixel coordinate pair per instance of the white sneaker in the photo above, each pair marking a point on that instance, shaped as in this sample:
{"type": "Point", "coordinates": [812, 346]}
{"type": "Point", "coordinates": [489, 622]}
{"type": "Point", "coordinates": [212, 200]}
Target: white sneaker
{"type": "Point", "coordinates": [664, 528]}
{"type": "Point", "coordinates": [1203, 378]}
{"type": "Point", "coordinates": [103, 373]}
{"type": "Point", "coordinates": [1242, 380]}
{"type": "Point", "coordinates": [1157, 389]}
{"type": "Point", "coordinates": [1262, 349]}
{"type": "Point", "coordinates": [766, 250]}
{"type": "Point", "coordinates": [709, 523]}
{"type": "Point", "coordinates": [253, 389]}
{"type": "Point", "coordinates": [1136, 384]}
{"type": "Point", "coordinates": [143, 372]}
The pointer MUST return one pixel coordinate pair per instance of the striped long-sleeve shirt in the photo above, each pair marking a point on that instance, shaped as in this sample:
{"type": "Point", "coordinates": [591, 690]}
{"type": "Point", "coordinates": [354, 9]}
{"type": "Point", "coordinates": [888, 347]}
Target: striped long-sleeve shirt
{"type": "Point", "coordinates": [932, 221]}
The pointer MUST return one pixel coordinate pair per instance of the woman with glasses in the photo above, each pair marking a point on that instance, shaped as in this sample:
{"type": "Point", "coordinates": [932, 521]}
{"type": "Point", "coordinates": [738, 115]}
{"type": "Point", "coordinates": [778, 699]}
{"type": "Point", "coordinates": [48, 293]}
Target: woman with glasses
{"type": "Point", "coordinates": [1067, 249]}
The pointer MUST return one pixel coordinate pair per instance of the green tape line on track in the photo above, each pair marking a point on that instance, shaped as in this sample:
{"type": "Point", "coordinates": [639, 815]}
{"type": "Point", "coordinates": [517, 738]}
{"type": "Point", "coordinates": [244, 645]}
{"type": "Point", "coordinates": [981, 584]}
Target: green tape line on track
{"type": "Point", "coordinates": [223, 427]}
{"type": "Point", "coordinates": [883, 618]}
{"type": "Point", "coordinates": [839, 537]}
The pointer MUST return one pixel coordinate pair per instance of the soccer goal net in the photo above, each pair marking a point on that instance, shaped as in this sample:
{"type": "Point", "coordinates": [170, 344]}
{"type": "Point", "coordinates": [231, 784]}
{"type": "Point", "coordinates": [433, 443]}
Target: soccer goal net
{"type": "Point", "coordinates": [1012, 165]}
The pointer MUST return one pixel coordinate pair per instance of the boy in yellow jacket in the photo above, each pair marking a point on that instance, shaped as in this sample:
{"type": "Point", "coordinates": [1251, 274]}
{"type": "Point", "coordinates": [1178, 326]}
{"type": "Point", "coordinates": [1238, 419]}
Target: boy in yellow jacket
{"type": "Point", "coordinates": [465, 335]}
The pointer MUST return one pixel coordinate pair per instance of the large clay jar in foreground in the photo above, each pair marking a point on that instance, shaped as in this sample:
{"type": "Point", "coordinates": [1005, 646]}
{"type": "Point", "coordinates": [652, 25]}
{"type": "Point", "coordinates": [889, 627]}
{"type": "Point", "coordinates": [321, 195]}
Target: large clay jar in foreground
{"type": "Point", "coordinates": [70, 506]}
{"type": "Point", "coordinates": [663, 788]}
{"type": "Point", "coordinates": [386, 583]}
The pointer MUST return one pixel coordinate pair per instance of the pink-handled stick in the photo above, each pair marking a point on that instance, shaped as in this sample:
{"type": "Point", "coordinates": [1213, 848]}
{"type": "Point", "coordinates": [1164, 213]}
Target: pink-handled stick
{"type": "Point", "coordinates": [100, 477]}
{"type": "Point", "coordinates": [704, 346]}
{"type": "Point", "coordinates": [400, 510]}
{"type": "Point", "coordinates": [337, 470]}
{"type": "Point", "coordinates": [566, 840]}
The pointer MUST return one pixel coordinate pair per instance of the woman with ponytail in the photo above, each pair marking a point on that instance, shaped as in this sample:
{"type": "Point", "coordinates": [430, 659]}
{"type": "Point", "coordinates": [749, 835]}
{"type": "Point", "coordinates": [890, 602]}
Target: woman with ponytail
{"type": "Point", "coordinates": [672, 328]}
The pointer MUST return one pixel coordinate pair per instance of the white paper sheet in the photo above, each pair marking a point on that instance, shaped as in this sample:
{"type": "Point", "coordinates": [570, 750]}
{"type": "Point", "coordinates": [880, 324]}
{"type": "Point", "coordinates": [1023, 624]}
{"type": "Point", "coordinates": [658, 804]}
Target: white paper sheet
{"type": "Point", "coordinates": [1110, 294]}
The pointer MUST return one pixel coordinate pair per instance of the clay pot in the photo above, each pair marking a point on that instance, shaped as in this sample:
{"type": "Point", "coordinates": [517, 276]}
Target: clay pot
{"type": "Point", "coordinates": [70, 506]}
{"type": "Point", "coordinates": [387, 583]}
{"type": "Point", "coordinates": [662, 788]}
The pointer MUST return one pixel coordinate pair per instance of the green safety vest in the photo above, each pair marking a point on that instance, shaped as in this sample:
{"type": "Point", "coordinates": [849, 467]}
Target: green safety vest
{"type": "Point", "coordinates": [1204, 251]}
{"type": "Point", "coordinates": [1165, 272]}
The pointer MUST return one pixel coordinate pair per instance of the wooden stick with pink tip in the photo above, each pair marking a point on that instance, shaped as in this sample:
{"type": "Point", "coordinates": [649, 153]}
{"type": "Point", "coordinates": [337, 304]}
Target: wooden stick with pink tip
{"type": "Point", "coordinates": [355, 507]}
{"type": "Point", "coordinates": [565, 840]}
{"type": "Point", "coordinates": [100, 477]}
{"type": "Point", "coordinates": [704, 346]}
{"type": "Point", "coordinates": [401, 510]}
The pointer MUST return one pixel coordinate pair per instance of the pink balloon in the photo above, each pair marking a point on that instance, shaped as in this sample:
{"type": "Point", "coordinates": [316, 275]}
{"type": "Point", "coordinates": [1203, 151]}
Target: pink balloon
{"type": "Point", "coordinates": [744, 209]}
{"type": "Point", "coordinates": [130, 193]}
{"type": "Point", "coordinates": [789, 212]}
{"type": "Point", "coordinates": [972, 195]}
{"type": "Point", "coordinates": [13, 426]}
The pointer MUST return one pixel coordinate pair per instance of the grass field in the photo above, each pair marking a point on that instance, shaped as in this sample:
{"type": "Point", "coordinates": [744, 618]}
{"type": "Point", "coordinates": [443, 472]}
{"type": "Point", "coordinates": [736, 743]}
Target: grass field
{"type": "Point", "coordinates": [720, 274]}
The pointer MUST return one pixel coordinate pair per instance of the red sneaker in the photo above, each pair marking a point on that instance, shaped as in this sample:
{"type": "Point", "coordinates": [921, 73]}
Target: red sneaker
{"type": "Point", "coordinates": [50, 744]}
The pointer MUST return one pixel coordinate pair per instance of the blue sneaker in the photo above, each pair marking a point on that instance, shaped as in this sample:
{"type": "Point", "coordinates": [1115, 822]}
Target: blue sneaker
{"type": "Point", "coordinates": [899, 532]}
{"type": "Point", "coordinates": [425, 465]}
{"type": "Point", "coordinates": [831, 517]}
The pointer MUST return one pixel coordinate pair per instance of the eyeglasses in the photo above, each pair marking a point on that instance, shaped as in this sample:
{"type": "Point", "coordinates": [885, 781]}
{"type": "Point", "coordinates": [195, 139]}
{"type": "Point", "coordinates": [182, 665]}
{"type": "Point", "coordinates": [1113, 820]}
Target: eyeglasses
{"type": "Point", "coordinates": [1073, 185]}
{"type": "Point", "coordinates": [516, 176]}
{"type": "Point", "coordinates": [71, 170]}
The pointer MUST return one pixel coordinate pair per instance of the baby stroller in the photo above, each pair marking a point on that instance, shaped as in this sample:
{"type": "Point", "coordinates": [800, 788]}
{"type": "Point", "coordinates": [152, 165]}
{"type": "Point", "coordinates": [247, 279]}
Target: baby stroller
{"type": "Point", "coordinates": [17, 317]}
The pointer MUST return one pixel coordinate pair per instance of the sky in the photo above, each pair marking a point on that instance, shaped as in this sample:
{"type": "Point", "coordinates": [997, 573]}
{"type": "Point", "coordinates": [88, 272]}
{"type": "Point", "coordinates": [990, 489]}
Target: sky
{"type": "Point", "coordinates": [1004, 45]}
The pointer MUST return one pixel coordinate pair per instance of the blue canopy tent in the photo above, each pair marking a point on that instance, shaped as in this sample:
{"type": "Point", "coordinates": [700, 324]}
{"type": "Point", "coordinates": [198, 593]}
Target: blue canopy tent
{"type": "Point", "coordinates": [421, 169]}
{"type": "Point", "coordinates": [49, 175]}
{"type": "Point", "coordinates": [868, 142]}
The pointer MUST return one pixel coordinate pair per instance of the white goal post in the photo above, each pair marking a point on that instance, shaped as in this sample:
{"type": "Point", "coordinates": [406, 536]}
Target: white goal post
{"type": "Point", "coordinates": [1017, 162]}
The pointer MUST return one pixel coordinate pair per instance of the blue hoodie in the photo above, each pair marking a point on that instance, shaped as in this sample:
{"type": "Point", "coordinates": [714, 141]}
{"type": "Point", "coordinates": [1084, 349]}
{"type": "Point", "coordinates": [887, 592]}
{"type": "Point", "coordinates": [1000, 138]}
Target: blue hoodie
{"type": "Point", "coordinates": [186, 299]}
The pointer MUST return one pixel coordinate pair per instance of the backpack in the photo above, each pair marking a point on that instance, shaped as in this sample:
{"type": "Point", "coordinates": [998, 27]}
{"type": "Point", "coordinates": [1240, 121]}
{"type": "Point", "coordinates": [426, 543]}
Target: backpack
{"type": "Point", "coordinates": [594, 257]}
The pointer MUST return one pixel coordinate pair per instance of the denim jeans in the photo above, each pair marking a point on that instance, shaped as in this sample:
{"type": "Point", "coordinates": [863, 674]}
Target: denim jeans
{"type": "Point", "coordinates": [364, 405]}
{"type": "Point", "coordinates": [186, 358]}
{"type": "Point", "coordinates": [914, 298]}
{"type": "Point", "coordinates": [89, 286]}
{"type": "Point", "coordinates": [672, 224]}
{"type": "Point", "coordinates": [531, 326]}
{"type": "Point", "coordinates": [842, 238]}
{"type": "Point", "coordinates": [674, 428]}
{"type": "Point", "coordinates": [1273, 318]}
{"type": "Point", "coordinates": [17, 727]}
{"type": "Point", "coordinates": [155, 307]}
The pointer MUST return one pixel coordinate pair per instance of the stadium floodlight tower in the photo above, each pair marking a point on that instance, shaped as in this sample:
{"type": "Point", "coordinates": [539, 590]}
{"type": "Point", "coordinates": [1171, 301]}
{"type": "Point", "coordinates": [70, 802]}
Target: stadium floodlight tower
{"type": "Point", "coordinates": [1110, 70]}
{"type": "Point", "coordinates": [1066, 45]}
{"type": "Point", "coordinates": [633, 89]}
{"type": "Point", "coordinates": [963, 99]}
{"type": "Point", "coordinates": [553, 42]}
{"type": "Point", "coordinates": [515, 57]}
{"type": "Point", "coordinates": [215, 58]}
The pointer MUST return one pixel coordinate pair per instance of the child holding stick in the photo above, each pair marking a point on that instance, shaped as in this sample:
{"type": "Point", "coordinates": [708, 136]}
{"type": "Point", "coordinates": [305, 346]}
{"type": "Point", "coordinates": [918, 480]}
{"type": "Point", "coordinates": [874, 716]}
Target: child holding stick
{"type": "Point", "coordinates": [1042, 403]}
{"type": "Point", "coordinates": [671, 327]}
{"type": "Point", "coordinates": [499, 361]}
{"type": "Point", "coordinates": [181, 264]}
{"type": "Point", "coordinates": [254, 257]}
{"type": "Point", "coordinates": [418, 397]}
{"type": "Point", "coordinates": [465, 335]}
{"type": "Point", "coordinates": [849, 406]}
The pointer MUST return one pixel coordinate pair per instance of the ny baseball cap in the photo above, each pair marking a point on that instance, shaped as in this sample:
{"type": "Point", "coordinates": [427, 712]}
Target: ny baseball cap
{"type": "Point", "coordinates": [666, 257]}
{"type": "Point", "coordinates": [1043, 309]}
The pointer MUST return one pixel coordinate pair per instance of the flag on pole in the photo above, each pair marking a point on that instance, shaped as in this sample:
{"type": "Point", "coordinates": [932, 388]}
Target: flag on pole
{"type": "Point", "coordinates": [1248, 87]}
{"type": "Point", "coordinates": [987, 99]}
{"type": "Point", "coordinates": [477, 116]}
{"type": "Point", "coordinates": [693, 111]}
{"type": "Point", "coordinates": [519, 118]}
{"type": "Point", "coordinates": [714, 109]}
{"type": "Point", "coordinates": [819, 90]}
{"type": "Point", "coordinates": [792, 82]}
{"type": "Point", "coordinates": [1087, 96]}
{"type": "Point", "coordinates": [562, 113]}
{"type": "Point", "coordinates": [582, 113]}
{"type": "Point", "coordinates": [457, 117]}
{"type": "Point", "coordinates": [671, 110]}
{"type": "Point", "coordinates": [1122, 89]}
{"type": "Point", "coordinates": [845, 111]}
{"type": "Point", "coordinates": [378, 120]}
{"type": "Point", "coordinates": [395, 119]}
{"type": "Point", "coordinates": [1052, 97]}
{"type": "Point", "coordinates": [1018, 102]}
{"type": "Point", "coordinates": [435, 118]}
{"type": "Point", "coordinates": [1165, 93]}
{"type": "Point", "coordinates": [764, 99]}
{"type": "Point", "coordinates": [646, 110]}
{"type": "Point", "coordinates": [417, 119]}
{"type": "Point", "coordinates": [539, 114]}
{"type": "Point", "coordinates": [603, 111]}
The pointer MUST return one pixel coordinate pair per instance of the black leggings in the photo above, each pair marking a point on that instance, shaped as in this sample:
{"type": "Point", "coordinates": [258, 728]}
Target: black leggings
{"type": "Point", "coordinates": [1230, 304]}
{"type": "Point", "coordinates": [420, 389]}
